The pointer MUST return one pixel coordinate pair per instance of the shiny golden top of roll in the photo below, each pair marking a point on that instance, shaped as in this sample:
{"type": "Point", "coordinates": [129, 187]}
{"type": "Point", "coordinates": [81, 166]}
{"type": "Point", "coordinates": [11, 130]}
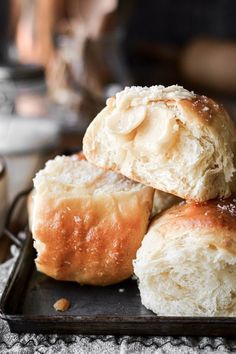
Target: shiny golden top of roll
{"type": "Point", "coordinates": [215, 216]}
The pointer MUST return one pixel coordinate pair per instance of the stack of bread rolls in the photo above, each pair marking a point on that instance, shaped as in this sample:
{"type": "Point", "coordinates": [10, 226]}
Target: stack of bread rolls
{"type": "Point", "coordinates": [90, 215]}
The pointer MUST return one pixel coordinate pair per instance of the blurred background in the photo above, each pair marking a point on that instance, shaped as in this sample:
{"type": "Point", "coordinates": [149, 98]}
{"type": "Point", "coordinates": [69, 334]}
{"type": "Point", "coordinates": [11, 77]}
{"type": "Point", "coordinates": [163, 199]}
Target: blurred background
{"type": "Point", "coordinates": [61, 59]}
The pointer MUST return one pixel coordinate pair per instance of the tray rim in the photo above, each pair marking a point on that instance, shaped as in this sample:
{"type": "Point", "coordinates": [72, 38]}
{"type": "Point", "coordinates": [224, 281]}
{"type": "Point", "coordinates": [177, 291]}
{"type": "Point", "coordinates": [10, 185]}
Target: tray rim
{"type": "Point", "coordinates": [88, 319]}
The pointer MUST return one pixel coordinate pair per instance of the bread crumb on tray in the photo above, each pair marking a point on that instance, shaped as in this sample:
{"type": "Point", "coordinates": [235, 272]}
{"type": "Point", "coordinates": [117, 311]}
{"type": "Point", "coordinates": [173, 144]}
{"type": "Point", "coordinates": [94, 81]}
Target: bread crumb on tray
{"type": "Point", "coordinates": [62, 305]}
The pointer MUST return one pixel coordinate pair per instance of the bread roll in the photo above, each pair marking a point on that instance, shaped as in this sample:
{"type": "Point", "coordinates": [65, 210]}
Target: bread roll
{"type": "Point", "coordinates": [87, 224]}
{"type": "Point", "coordinates": [163, 201]}
{"type": "Point", "coordinates": [186, 265]}
{"type": "Point", "coordinates": [167, 138]}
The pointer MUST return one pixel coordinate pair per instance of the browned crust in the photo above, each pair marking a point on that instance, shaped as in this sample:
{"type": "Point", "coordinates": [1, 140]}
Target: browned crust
{"type": "Point", "coordinates": [217, 213]}
{"type": "Point", "coordinates": [217, 216]}
{"type": "Point", "coordinates": [91, 240]}
{"type": "Point", "coordinates": [202, 108]}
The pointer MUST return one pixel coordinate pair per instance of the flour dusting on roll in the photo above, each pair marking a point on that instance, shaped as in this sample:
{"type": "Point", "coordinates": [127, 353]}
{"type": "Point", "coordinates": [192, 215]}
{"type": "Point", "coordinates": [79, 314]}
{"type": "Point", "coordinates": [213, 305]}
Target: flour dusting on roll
{"type": "Point", "coordinates": [168, 138]}
{"type": "Point", "coordinates": [186, 265]}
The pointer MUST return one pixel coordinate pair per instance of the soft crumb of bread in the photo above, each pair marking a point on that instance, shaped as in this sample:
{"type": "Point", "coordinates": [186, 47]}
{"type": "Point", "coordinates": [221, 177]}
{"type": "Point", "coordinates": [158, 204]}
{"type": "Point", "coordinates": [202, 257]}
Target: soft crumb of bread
{"type": "Point", "coordinates": [186, 265]}
{"type": "Point", "coordinates": [185, 145]}
{"type": "Point", "coordinates": [62, 305]}
{"type": "Point", "coordinates": [186, 278]}
{"type": "Point", "coordinates": [71, 174]}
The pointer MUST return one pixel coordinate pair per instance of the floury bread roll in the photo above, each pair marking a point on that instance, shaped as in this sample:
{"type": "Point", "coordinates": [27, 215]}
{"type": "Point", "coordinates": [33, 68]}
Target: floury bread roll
{"type": "Point", "coordinates": [87, 223]}
{"type": "Point", "coordinates": [167, 138]}
{"type": "Point", "coordinates": [163, 201]}
{"type": "Point", "coordinates": [186, 265]}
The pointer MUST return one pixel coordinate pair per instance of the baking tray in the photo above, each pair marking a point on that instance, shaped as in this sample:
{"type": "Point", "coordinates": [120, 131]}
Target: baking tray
{"type": "Point", "coordinates": [28, 298]}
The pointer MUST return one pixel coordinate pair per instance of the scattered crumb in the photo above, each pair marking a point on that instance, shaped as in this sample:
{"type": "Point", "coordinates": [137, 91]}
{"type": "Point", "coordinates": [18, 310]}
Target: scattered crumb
{"type": "Point", "coordinates": [62, 305]}
{"type": "Point", "coordinates": [121, 290]}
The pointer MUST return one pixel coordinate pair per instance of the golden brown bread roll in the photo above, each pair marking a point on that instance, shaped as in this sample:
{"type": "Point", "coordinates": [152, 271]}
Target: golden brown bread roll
{"type": "Point", "coordinates": [167, 138]}
{"type": "Point", "coordinates": [186, 265]}
{"type": "Point", "coordinates": [87, 223]}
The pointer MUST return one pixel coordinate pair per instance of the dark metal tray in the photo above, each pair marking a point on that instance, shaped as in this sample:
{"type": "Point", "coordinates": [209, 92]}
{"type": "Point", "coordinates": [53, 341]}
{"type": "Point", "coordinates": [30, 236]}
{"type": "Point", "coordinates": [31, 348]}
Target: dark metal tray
{"type": "Point", "coordinates": [27, 305]}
